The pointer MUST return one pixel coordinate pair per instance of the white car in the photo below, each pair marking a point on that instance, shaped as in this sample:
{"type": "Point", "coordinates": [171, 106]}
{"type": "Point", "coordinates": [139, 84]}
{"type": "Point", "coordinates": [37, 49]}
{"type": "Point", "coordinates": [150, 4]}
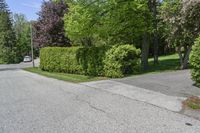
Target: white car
{"type": "Point", "coordinates": [27, 59]}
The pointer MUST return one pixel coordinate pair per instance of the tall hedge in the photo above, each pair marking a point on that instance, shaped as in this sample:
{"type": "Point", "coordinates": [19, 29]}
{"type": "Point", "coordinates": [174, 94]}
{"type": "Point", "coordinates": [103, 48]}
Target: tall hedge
{"type": "Point", "coordinates": [91, 59]}
{"type": "Point", "coordinates": [75, 60]}
{"type": "Point", "coordinates": [195, 61]}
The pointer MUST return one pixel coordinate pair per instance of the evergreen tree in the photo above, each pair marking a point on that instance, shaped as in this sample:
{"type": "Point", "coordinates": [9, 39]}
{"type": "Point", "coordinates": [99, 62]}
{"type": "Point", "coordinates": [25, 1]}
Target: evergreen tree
{"type": "Point", "coordinates": [7, 35]}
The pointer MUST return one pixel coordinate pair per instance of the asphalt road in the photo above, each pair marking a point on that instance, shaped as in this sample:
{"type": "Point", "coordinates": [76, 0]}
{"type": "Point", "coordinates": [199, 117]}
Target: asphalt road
{"type": "Point", "coordinates": [21, 65]}
{"type": "Point", "coordinates": [176, 83]}
{"type": "Point", "coordinates": [30, 103]}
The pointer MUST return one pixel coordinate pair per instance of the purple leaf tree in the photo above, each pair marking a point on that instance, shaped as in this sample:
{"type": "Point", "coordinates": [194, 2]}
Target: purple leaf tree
{"type": "Point", "coordinates": [49, 28]}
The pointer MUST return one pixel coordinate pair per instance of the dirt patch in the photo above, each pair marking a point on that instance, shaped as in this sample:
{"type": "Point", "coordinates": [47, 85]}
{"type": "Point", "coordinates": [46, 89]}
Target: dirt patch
{"type": "Point", "coordinates": [192, 103]}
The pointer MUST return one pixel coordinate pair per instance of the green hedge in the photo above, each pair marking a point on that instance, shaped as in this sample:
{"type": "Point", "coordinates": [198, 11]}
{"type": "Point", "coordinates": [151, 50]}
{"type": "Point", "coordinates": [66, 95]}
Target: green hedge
{"type": "Point", "coordinates": [116, 61]}
{"type": "Point", "coordinates": [57, 59]}
{"type": "Point", "coordinates": [91, 59]}
{"type": "Point", "coordinates": [195, 61]}
{"type": "Point", "coordinates": [79, 60]}
{"type": "Point", "coordinates": [121, 60]}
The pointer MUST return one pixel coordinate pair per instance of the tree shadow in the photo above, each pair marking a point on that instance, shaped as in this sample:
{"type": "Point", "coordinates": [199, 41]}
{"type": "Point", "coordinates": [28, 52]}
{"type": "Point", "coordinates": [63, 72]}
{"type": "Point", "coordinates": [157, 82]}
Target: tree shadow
{"type": "Point", "coordinates": [164, 65]}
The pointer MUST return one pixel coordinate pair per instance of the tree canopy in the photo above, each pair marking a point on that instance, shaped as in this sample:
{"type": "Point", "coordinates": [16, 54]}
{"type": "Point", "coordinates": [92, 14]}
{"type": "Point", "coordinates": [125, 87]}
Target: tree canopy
{"type": "Point", "coordinates": [181, 20]}
{"type": "Point", "coordinates": [106, 22]}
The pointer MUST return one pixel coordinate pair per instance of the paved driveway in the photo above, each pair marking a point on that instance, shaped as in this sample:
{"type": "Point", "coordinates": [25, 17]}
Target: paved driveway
{"type": "Point", "coordinates": [31, 103]}
{"type": "Point", "coordinates": [177, 83]}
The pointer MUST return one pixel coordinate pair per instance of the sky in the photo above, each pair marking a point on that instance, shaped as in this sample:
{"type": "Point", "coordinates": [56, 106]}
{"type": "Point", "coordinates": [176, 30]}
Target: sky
{"type": "Point", "coordinates": [28, 7]}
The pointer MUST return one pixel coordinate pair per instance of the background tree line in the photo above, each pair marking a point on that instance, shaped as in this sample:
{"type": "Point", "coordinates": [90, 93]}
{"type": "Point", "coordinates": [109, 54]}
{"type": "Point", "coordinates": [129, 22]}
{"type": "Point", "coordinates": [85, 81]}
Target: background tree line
{"type": "Point", "coordinates": [14, 35]}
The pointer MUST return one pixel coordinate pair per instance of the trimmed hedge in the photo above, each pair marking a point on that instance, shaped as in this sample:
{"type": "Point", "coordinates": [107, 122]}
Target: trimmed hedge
{"type": "Point", "coordinates": [94, 61]}
{"type": "Point", "coordinates": [91, 59]}
{"type": "Point", "coordinates": [195, 61]}
{"type": "Point", "coordinates": [75, 60]}
{"type": "Point", "coordinates": [121, 60]}
{"type": "Point", "coordinates": [57, 59]}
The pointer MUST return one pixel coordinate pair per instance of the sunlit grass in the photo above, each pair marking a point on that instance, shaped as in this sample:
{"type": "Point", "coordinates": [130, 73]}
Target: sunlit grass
{"type": "Point", "coordinates": [64, 76]}
{"type": "Point", "coordinates": [166, 63]}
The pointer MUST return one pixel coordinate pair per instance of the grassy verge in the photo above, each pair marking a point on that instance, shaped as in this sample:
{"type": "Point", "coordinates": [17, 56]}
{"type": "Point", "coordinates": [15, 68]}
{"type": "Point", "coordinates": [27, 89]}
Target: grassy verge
{"type": "Point", "coordinates": [63, 76]}
{"type": "Point", "coordinates": [166, 63]}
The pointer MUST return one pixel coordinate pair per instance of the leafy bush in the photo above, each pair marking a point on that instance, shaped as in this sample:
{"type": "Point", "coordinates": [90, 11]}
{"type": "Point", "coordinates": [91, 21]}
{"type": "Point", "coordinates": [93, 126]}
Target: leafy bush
{"type": "Point", "coordinates": [79, 60]}
{"type": "Point", "coordinates": [195, 61]}
{"type": "Point", "coordinates": [121, 60]}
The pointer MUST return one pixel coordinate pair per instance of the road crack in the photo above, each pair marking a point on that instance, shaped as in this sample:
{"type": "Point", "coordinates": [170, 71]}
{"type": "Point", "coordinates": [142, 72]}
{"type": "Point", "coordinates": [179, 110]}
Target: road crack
{"type": "Point", "coordinates": [90, 105]}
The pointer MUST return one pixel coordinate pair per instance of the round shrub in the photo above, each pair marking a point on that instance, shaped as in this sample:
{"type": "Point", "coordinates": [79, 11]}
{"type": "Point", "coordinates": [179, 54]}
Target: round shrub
{"type": "Point", "coordinates": [195, 61]}
{"type": "Point", "coordinates": [121, 60]}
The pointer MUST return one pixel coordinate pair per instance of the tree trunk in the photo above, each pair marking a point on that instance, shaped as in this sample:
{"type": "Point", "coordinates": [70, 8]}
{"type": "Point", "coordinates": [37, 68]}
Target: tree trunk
{"type": "Point", "coordinates": [184, 58]}
{"type": "Point", "coordinates": [184, 64]}
{"type": "Point", "coordinates": [180, 55]}
{"type": "Point", "coordinates": [145, 52]}
{"type": "Point", "coordinates": [155, 34]}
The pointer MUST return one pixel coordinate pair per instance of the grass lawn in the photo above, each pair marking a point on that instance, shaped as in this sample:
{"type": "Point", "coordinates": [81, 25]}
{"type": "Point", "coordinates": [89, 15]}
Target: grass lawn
{"type": "Point", "coordinates": [166, 63]}
{"type": "Point", "coordinates": [64, 76]}
{"type": "Point", "coordinates": [169, 62]}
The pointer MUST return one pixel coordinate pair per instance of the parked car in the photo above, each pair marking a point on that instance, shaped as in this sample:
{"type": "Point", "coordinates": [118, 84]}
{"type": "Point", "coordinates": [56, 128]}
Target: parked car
{"type": "Point", "coordinates": [27, 59]}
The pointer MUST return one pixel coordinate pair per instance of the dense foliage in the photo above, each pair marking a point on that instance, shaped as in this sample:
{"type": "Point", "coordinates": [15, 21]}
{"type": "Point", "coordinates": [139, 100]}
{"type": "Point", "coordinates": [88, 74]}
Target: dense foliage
{"type": "Point", "coordinates": [91, 59]}
{"type": "Point", "coordinates": [110, 22]}
{"type": "Point", "coordinates": [121, 60]}
{"type": "Point", "coordinates": [7, 35]}
{"type": "Point", "coordinates": [23, 36]}
{"type": "Point", "coordinates": [79, 60]}
{"type": "Point", "coordinates": [180, 21]}
{"type": "Point", "coordinates": [94, 23]}
{"type": "Point", "coordinates": [49, 29]}
{"type": "Point", "coordinates": [195, 61]}
{"type": "Point", "coordinates": [58, 59]}
{"type": "Point", "coordinates": [114, 62]}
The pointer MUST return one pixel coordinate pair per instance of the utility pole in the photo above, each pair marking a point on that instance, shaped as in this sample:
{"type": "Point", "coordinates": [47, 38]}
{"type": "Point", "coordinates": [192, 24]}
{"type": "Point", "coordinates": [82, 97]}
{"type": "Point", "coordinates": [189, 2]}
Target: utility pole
{"type": "Point", "coordinates": [32, 46]}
